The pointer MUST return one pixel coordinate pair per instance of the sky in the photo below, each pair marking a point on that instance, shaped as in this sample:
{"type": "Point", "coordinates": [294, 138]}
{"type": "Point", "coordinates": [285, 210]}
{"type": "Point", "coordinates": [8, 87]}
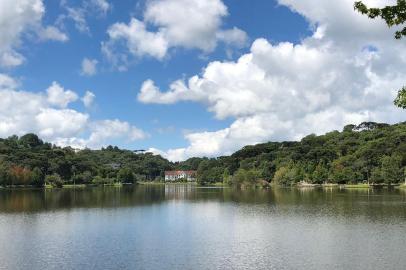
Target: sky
{"type": "Point", "coordinates": [185, 78]}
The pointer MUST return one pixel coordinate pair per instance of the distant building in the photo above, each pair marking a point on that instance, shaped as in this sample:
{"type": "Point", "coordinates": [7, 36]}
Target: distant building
{"type": "Point", "coordinates": [180, 175]}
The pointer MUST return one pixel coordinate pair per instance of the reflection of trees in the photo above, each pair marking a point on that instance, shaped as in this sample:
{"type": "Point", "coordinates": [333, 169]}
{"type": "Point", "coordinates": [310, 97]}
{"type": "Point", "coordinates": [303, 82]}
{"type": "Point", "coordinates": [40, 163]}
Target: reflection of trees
{"type": "Point", "coordinates": [369, 203]}
{"type": "Point", "coordinates": [97, 197]}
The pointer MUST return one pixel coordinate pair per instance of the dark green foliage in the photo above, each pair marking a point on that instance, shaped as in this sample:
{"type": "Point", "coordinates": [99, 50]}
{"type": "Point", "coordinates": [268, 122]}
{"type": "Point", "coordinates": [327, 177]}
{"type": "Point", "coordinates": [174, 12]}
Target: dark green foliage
{"type": "Point", "coordinates": [347, 157]}
{"type": "Point", "coordinates": [391, 169]}
{"type": "Point", "coordinates": [210, 171]}
{"type": "Point", "coordinates": [98, 180]}
{"type": "Point", "coordinates": [320, 174]}
{"type": "Point", "coordinates": [27, 160]}
{"type": "Point", "coordinates": [370, 152]}
{"type": "Point", "coordinates": [125, 175]}
{"type": "Point", "coordinates": [37, 177]}
{"type": "Point", "coordinates": [83, 178]}
{"type": "Point", "coordinates": [246, 177]}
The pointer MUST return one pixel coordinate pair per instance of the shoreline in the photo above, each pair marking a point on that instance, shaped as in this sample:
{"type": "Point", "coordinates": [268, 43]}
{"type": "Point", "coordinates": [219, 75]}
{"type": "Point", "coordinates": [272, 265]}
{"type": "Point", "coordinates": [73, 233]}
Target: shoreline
{"type": "Point", "coordinates": [218, 184]}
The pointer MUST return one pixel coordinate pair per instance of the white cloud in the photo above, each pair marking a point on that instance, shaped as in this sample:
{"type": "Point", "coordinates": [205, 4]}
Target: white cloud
{"type": "Point", "coordinates": [138, 40]}
{"type": "Point", "coordinates": [16, 19]}
{"type": "Point", "coordinates": [102, 132]}
{"type": "Point", "coordinates": [181, 30]}
{"type": "Point", "coordinates": [7, 82]}
{"type": "Point", "coordinates": [190, 24]}
{"type": "Point", "coordinates": [89, 67]}
{"type": "Point", "coordinates": [102, 6]}
{"type": "Point", "coordinates": [79, 14]}
{"type": "Point", "coordinates": [284, 91]}
{"type": "Point", "coordinates": [11, 59]}
{"type": "Point", "coordinates": [234, 36]}
{"type": "Point", "coordinates": [52, 33]}
{"type": "Point", "coordinates": [22, 112]}
{"type": "Point", "coordinates": [53, 123]}
{"type": "Point", "coordinates": [59, 97]}
{"type": "Point", "coordinates": [88, 99]}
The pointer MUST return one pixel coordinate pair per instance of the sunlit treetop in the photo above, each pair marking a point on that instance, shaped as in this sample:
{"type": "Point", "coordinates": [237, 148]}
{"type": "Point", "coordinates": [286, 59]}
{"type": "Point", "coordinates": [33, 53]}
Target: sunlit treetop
{"type": "Point", "coordinates": [400, 101]}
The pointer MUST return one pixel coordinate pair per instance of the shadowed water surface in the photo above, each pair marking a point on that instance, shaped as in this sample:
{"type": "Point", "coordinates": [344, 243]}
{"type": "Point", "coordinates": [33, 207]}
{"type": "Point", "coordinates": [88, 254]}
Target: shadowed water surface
{"type": "Point", "coordinates": [187, 227]}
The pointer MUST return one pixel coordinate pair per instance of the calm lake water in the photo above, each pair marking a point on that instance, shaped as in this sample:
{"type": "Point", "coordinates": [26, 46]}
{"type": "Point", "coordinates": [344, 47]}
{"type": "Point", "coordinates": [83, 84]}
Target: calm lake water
{"type": "Point", "coordinates": [186, 227]}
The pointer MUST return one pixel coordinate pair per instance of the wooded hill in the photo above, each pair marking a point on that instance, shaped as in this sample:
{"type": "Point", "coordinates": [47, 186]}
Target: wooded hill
{"type": "Point", "coordinates": [370, 152]}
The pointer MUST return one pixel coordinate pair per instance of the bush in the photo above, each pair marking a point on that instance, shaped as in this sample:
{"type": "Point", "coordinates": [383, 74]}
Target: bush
{"type": "Point", "coordinates": [54, 180]}
{"type": "Point", "coordinates": [83, 178]}
{"type": "Point", "coordinates": [125, 175]}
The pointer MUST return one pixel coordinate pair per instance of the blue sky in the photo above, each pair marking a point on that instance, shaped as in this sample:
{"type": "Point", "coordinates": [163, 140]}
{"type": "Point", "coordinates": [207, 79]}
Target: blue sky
{"type": "Point", "coordinates": [301, 41]}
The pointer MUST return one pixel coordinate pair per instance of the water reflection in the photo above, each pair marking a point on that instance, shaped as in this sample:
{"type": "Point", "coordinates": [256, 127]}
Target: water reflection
{"type": "Point", "coordinates": [189, 227]}
{"type": "Point", "coordinates": [368, 202]}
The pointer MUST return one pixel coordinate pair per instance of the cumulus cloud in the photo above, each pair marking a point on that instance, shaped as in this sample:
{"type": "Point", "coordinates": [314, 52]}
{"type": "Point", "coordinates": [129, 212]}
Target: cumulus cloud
{"type": "Point", "coordinates": [203, 32]}
{"type": "Point", "coordinates": [89, 67]}
{"type": "Point", "coordinates": [88, 99]}
{"type": "Point", "coordinates": [16, 19]}
{"type": "Point", "coordinates": [281, 91]}
{"type": "Point", "coordinates": [47, 114]}
{"type": "Point", "coordinates": [138, 40]}
{"type": "Point", "coordinates": [56, 95]}
{"type": "Point", "coordinates": [101, 132]}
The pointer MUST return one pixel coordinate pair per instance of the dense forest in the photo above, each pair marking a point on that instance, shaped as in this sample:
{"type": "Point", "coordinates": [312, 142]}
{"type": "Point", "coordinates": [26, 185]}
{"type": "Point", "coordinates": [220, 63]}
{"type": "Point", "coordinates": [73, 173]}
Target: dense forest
{"type": "Point", "coordinates": [370, 152]}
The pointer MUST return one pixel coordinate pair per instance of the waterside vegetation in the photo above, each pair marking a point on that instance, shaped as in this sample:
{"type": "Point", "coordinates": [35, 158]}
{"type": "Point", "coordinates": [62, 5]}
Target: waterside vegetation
{"type": "Point", "coordinates": [366, 155]}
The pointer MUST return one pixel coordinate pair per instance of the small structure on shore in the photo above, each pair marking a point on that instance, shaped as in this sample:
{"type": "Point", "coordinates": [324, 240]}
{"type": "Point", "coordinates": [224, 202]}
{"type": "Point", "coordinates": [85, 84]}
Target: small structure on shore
{"type": "Point", "coordinates": [173, 176]}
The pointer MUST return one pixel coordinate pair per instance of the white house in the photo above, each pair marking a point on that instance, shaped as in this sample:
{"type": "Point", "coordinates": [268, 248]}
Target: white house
{"type": "Point", "coordinates": [180, 175]}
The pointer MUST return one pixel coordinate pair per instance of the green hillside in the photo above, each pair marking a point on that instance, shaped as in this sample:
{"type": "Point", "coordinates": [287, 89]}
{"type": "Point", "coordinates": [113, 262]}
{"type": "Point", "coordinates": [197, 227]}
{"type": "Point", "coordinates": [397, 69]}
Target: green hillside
{"type": "Point", "coordinates": [370, 152]}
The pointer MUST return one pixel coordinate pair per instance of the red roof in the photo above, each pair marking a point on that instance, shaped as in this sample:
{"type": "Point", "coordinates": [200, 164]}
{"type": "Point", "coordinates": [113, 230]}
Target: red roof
{"type": "Point", "coordinates": [180, 172]}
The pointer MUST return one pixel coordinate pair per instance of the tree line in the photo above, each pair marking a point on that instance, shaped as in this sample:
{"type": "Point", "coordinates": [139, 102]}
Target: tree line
{"type": "Point", "coordinates": [370, 152]}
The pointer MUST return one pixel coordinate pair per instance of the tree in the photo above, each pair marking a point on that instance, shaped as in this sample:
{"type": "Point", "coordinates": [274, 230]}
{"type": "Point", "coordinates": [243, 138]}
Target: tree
{"type": "Point", "coordinates": [393, 16]}
{"type": "Point", "coordinates": [209, 171]}
{"type": "Point", "coordinates": [391, 169]}
{"type": "Point", "coordinates": [320, 174]}
{"type": "Point", "coordinates": [226, 177]}
{"type": "Point", "coordinates": [83, 178]}
{"type": "Point", "coordinates": [125, 175]}
{"type": "Point", "coordinates": [246, 177]}
{"type": "Point", "coordinates": [4, 175]}
{"type": "Point", "coordinates": [286, 175]}
{"type": "Point", "coordinates": [30, 140]}
{"type": "Point", "coordinates": [341, 174]}
{"type": "Point", "coordinates": [37, 177]}
{"type": "Point", "coordinates": [400, 100]}
{"type": "Point", "coordinates": [54, 180]}
{"type": "Point", "coordinates": [376, 176]}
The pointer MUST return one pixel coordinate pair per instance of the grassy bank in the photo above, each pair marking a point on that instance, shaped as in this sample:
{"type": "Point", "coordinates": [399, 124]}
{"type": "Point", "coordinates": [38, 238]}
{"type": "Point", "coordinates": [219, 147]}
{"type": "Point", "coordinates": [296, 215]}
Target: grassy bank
{"type": "Point", "coordinates": [330, 185]}
{"type": "Point", "coordinates": [69, 186]}
{"type": "Point", "coordinates": [357, 186]}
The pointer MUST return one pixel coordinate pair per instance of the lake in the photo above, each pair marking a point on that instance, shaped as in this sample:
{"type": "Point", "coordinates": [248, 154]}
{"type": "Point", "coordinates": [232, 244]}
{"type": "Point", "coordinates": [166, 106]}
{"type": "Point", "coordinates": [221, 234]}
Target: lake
{"type": "Point", "coordinates": [189, 227]}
